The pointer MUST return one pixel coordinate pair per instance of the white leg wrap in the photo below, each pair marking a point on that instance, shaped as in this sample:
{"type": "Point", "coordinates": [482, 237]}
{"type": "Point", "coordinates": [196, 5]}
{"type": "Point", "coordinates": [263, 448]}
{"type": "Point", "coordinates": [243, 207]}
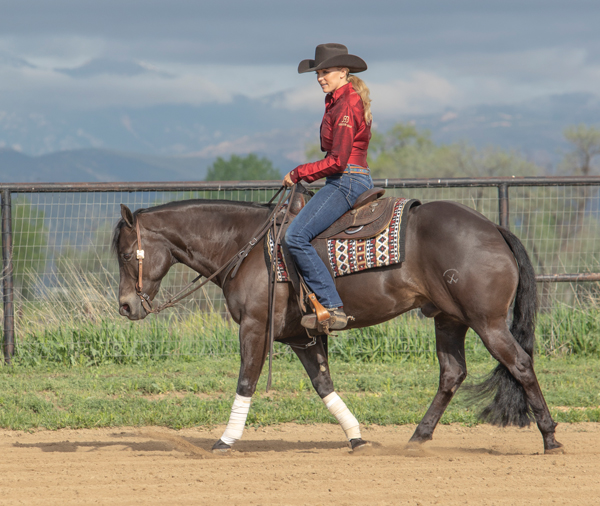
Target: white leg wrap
{"type": "Point", "coordinates": [342, 414]}
{"type": "Point", "coordinates": [237, 419]}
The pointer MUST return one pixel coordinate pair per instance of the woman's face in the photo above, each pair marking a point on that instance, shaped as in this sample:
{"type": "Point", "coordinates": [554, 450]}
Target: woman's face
{"type": "Point", "coordinates": [331, 79]}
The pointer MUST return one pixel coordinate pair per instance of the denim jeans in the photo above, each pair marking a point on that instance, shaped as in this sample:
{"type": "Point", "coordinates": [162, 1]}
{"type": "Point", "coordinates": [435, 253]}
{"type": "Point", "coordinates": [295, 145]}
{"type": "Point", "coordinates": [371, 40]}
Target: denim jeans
{"type": "Point", "coordinates": [337, 196]}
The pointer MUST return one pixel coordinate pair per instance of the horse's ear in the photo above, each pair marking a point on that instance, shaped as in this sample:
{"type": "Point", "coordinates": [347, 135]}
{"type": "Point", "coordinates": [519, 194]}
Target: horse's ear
{"type": "Point", "coordinates": [127, 215]}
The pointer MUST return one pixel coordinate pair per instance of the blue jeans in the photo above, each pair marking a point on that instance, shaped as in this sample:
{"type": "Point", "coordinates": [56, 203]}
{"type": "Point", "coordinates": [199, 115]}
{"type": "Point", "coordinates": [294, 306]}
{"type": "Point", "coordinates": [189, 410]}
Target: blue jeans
{"type": "Point", "coordinates": [337, 196]}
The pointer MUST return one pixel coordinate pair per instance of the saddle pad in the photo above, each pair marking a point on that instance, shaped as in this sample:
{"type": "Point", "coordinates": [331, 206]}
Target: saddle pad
{"type": "Point", "coordinates": [282, 273]}
{"type": "Point", "coordinates": [347, 256]}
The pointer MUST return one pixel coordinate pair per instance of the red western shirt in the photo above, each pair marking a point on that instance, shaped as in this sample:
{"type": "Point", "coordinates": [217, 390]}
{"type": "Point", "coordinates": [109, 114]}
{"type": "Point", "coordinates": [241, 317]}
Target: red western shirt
{"type": "Point", "coordinates": [344, 136]}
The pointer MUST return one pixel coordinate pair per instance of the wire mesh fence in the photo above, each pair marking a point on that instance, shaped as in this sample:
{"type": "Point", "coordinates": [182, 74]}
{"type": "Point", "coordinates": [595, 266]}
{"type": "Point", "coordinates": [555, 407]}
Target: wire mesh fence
{"type": "Point", "coordinates": [66, 277]}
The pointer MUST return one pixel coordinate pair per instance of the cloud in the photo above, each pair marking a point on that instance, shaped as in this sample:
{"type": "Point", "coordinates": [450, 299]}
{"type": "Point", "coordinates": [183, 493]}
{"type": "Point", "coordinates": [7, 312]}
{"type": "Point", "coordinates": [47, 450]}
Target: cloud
{"type": "Point", "coordinates": [42, 88]}
{"type": "Point", "coordinates": [264, 32]}
{"type": "Point", "coordinates": [105, 66]}
{"type": "Point", "coordinates": [8, 60]}
{"type": "Point", "coordinates": [307, 97]}
{"type": "Point", "coordinates": [423, 56]}
{"type": "Point", "coordinates": [419, 93]}
{"type": "Point", "coordinates": [422, 93]}
{"type": "Point", "coordinates": [510, 77]}
{"type": "Point", "coordinates": [91, 139]}
{"type": "Point", "coordinates": [288, 145]}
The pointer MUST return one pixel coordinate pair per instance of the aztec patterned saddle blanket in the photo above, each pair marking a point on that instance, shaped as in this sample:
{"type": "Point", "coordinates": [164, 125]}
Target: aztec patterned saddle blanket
{"type": "Point", "coordinates": [372, 236]}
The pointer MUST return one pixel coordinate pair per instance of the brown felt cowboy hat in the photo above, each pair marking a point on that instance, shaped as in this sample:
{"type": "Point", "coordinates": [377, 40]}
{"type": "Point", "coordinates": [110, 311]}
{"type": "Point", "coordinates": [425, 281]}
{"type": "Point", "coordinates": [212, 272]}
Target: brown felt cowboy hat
{"type": "Point", "coordinates": [332, 55]}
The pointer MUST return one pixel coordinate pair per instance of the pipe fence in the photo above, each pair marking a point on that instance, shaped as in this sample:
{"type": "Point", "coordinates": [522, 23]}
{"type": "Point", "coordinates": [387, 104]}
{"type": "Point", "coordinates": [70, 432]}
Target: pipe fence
{"type": "Point", "coordinates": [59, 273]}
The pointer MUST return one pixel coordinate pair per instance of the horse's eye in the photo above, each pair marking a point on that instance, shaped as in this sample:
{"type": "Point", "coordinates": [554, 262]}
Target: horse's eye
{"type": "Point", "coordinates": [127, 256]}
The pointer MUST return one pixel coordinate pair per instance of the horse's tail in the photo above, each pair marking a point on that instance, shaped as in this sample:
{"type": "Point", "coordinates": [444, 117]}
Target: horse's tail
{"type": "Point", "coordinates": [509, 405]}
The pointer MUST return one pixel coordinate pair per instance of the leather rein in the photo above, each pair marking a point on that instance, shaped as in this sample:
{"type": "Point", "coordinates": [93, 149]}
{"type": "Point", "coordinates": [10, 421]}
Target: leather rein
{"type": "Point", "coordinates": [232, 264]}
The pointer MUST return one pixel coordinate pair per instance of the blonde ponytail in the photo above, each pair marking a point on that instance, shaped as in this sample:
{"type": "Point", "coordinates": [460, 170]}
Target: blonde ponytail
{"type": "Point", "coordinates": [363, 90]}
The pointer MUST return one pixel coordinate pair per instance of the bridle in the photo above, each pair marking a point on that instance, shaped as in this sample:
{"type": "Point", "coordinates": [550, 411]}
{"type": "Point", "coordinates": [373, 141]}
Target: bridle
{"type": "Point", "coordinates": [139, 284]}
{"type": "Point", "coordinates": [232, 264]}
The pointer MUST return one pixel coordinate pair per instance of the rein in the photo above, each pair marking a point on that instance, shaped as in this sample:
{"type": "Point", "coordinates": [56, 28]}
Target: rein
{"type": "Point", "coordinates": [233, 263]}
{"type": "Point", "coordinates": [273, 281]}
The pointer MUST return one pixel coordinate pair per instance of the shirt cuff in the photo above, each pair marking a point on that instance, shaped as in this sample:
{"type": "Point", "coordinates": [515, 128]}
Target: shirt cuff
{"type": "Point", "coordinates": [294, 176]}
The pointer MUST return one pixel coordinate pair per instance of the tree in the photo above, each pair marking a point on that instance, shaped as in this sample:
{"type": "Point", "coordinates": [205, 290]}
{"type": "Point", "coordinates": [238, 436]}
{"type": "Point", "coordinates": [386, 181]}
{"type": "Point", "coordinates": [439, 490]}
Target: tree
{"type": "Point", "coordinates": [580, 162]}
{"type": "Point", "coordinates": [238, 168]}
{"type": "Point", "coordinates": [404, 151]}
{"type": "Point", "coordinates": [30, 245]}
{"type": "Point", "coordinates": [565, 218]}
{"type": "Point", "coordinates": [586, 140]}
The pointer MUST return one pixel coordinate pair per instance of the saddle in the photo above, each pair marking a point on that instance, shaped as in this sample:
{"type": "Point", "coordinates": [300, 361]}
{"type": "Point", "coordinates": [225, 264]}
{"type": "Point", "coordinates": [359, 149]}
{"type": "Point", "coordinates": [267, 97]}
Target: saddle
{"type": "Point", "coordinates": [368, 217]}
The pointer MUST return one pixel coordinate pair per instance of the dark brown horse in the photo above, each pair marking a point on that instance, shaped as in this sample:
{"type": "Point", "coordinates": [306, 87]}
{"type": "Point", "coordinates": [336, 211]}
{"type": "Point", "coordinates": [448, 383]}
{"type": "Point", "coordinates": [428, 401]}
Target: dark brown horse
{"type": "Point", "coordinates": [460, 269]}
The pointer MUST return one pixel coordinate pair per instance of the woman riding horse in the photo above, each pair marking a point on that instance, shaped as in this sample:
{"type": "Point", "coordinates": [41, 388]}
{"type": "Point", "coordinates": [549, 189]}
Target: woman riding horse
{"type": "Point", "coordinates": [345, 135]}
{"type": "Point", "coordinates": [491, 273]}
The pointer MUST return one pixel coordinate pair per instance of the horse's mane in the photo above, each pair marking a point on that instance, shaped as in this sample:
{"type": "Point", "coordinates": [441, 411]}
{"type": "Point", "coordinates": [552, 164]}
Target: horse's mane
{"type": "Point", "coordinates": [181, 204]}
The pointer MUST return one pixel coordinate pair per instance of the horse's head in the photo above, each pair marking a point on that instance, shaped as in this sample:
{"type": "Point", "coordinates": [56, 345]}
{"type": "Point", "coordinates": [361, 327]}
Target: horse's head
{"type": "Point", "coordinates": [155, 264]}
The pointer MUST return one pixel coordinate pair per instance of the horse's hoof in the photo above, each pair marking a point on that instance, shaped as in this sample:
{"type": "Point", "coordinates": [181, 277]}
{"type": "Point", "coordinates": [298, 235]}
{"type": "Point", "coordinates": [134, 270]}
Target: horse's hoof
{"type": "Point", "coordinates": [221, 447]}
{"type": "Point", "coordinates": [419, 439]}
{"type": "Point", "coordinates": [359, 444]}
{"type": "Point", "coordinates": [558, 450]}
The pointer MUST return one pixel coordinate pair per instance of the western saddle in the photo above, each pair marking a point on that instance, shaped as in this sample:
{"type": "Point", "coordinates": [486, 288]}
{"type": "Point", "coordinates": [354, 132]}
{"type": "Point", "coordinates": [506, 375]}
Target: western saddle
{"type": "Point", "coordinates": [368, 217]}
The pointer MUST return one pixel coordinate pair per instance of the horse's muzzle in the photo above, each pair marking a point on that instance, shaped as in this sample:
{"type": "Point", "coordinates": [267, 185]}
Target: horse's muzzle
{"type": "Point", "coordinates": [133, 312]}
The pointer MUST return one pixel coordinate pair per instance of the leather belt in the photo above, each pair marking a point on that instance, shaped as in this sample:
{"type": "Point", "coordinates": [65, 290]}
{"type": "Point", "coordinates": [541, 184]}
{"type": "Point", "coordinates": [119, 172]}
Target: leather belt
{"type": "Point", "coordinates": [357, 169]}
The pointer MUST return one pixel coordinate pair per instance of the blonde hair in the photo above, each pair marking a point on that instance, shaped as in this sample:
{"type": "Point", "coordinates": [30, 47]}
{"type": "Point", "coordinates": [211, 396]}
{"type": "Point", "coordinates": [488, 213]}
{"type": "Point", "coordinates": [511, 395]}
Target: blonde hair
{"type": "Point", "coordinates": [363, 90]}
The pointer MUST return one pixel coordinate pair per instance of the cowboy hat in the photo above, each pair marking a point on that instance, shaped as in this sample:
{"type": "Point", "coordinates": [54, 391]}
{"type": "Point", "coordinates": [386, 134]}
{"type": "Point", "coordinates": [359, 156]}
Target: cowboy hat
{"type": "Point", "coordinates": [332, 55]}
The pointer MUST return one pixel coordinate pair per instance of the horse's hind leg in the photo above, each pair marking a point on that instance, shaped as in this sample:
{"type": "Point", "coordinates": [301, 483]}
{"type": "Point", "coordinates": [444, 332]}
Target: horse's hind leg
{"type": "Point", "coordinates": [450, 344]}
{"type": "Point", "coordinates": [314, 360]}
{"type": "Point", "coordinates": [505, 349]}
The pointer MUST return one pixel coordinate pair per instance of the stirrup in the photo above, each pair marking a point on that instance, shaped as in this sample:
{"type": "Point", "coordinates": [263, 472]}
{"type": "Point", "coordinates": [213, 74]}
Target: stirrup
{"type": "Point", "coordinates": [336, 321]}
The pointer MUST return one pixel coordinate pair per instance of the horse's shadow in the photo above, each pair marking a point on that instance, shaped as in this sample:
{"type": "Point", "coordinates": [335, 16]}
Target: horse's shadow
{"type": "Point", "coordinates": [156, 441]}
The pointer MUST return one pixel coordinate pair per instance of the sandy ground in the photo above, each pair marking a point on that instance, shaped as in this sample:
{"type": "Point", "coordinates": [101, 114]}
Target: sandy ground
{"type": "Point", "coordinates": [297, 465]}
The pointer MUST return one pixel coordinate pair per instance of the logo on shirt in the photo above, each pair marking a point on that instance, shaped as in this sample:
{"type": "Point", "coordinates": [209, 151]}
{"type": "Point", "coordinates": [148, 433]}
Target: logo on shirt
{"type": "Point", "coordinates": [345, 122]}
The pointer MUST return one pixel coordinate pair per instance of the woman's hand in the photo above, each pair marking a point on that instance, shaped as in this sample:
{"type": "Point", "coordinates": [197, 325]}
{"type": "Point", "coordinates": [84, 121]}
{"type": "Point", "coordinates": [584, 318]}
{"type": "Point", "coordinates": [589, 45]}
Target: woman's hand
{"type": "Point", "coordinates": [287, 180]}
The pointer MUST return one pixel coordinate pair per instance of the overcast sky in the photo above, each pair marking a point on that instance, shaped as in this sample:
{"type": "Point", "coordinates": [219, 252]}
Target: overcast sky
{"type": "Point", "coordinates": [424, 56]}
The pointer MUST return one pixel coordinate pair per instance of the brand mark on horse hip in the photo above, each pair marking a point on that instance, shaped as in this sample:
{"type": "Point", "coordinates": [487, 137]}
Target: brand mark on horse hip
{"type": "Point", "coordinates": [451, 276]}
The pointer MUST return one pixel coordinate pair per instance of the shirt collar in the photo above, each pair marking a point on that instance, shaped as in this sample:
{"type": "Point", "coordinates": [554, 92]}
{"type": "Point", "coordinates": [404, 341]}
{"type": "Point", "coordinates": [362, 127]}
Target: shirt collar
{"type": "Point", "coordinates": [335, 95]}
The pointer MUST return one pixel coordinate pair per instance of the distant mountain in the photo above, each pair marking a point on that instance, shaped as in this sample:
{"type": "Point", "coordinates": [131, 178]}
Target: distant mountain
{"type": "Point", "coordinates": [97, 165]}
{"type": "Point", "coordinates": [180, 141]}
{"type": "Point", "coordinates": [535, 128]}
{"type": "Point", "coordinates": [204, 132]}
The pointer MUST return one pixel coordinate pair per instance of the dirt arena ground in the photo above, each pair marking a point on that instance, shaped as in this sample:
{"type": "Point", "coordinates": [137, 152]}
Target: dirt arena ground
{"type": "Point", "coordinates": [298, 465]}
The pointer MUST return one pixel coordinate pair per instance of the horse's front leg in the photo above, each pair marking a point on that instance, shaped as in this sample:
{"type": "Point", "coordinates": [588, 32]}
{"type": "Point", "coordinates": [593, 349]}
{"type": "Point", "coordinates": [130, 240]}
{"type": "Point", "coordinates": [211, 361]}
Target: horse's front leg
{"type": "Point", "coordinates": [314, 360]}
{"type": "Point", "coordinates": [253, 351]}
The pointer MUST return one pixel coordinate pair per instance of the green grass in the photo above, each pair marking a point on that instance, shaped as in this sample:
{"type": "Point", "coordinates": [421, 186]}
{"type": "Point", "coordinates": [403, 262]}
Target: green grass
{"type": "Point", "coordinates": [113, 340]}
{"type": "Point", "coordinates": [568, 330]}
{"type": "Point", "coordinates": [106, 339]}
{"type": "Point", "coordinates": [77, 364]}
{"type": "Point", "coordinates": [78, 326]}
{"type": "Point", "coordinates": [177, 393]}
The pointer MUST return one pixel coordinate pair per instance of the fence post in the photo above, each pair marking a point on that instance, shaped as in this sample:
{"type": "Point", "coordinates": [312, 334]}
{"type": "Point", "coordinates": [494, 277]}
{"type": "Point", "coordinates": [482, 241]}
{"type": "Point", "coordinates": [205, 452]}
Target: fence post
{"type": "Point", "coordinates": [503, 205]}
{"type": "Point", "coordinates": [7, 278]}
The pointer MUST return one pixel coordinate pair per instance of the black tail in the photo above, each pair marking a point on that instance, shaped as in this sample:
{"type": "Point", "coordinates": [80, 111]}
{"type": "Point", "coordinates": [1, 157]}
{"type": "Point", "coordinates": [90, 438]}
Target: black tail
{"type": "Point", "coordinates": [509, 405]}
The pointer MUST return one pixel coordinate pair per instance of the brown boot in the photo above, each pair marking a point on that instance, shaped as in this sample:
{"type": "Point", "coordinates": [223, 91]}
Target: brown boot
{"type": "Point", "coordinates": [337, 320]}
